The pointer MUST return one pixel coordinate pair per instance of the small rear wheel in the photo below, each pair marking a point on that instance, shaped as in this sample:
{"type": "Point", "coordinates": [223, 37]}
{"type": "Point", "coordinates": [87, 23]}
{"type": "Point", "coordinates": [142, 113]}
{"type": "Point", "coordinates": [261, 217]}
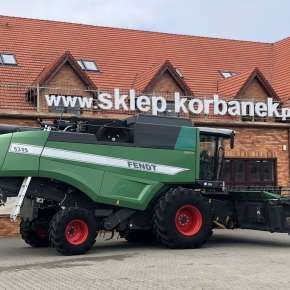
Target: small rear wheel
{"type": "Point", "coordinates": [73, 231]}
{"type": "Point", "coordinates": [182, 219]}
{"type": "Point", "coordinates": [34, 233]}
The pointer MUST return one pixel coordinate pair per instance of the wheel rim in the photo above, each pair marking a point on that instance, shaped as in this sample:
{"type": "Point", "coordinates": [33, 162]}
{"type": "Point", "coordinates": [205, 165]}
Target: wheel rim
{"type": "Point", "coordinates": [188, 220]}
{"type": "Point", "coordinates": [76, 232]}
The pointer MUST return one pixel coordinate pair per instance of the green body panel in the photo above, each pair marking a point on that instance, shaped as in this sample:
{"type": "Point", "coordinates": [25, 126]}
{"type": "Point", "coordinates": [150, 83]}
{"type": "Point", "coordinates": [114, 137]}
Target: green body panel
{"type": "Point", "coordinates": [4, 145]}
{"type": "Point", "coordinates": [22, 164]}
{"type": "Point", "coordinates": [120, 186]}
{"type": "Point", "coordinates": [113, 185]}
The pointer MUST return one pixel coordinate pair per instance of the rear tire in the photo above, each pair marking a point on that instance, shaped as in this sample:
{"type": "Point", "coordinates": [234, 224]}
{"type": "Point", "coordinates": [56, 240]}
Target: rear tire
{"type": "Point", "coordinates": [34, 233]}
{"type": "Point", "coordinates": [73, 231]}
{"type": "Point", "coordinates": [182, 219]}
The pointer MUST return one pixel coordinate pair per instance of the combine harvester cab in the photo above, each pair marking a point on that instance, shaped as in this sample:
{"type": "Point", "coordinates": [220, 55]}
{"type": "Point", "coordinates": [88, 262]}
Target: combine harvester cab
{"type": "Point", "coordinates": [145, 178]}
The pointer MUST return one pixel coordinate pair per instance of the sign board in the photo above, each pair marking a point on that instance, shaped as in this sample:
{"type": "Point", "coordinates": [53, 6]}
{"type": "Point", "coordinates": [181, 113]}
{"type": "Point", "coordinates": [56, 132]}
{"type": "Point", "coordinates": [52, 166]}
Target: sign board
{"type": "Point", "coordinates": [214, 105]}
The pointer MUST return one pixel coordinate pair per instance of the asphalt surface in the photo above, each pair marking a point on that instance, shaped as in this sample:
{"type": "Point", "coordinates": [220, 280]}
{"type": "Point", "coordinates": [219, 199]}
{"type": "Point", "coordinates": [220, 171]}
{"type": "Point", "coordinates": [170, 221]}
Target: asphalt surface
{"type": "Point", "coordinates": [230, 260]}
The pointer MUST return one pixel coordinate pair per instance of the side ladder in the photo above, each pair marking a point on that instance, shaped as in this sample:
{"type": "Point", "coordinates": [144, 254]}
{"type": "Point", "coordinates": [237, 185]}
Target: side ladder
{"type": "Point", "coordinates": [19, 200]}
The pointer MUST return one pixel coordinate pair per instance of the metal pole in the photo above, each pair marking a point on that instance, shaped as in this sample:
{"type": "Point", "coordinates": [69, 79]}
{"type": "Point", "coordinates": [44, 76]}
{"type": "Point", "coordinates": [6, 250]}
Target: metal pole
{"type": "Point", "coordinates": [37, 99]}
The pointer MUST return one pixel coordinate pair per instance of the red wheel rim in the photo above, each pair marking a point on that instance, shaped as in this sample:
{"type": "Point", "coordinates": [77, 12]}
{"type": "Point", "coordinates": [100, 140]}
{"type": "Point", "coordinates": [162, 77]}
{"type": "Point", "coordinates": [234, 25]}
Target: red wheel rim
{"type": "Point", "coordinates": [188, 220]}
{"type": "Point", "coordinates": [76, 232]}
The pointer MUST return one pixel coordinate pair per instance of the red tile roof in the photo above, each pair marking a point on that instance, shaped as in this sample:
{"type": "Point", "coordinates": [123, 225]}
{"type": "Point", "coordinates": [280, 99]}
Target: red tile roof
{"type": "Point", "coordinates": [230, 87]}
{"type": "Point", "coordinates": [235, 85]}
{"type": "Point", "coordinates": [127, 57]}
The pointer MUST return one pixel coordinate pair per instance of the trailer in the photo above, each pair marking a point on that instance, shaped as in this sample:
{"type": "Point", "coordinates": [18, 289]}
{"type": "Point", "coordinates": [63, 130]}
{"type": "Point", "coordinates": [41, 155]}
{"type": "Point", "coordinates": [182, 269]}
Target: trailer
{"type": "Point", "coordinates": [146, 178]}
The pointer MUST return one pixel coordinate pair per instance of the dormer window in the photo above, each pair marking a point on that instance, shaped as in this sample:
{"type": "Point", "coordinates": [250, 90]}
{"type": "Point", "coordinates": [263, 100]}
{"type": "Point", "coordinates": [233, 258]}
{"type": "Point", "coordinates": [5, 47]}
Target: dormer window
{"type": "Point", "coordinates": [7, 59]}
{"type": "Point", "coordinates": [227, 74]}
{"type": "Point", "coordinates": [88, 65]}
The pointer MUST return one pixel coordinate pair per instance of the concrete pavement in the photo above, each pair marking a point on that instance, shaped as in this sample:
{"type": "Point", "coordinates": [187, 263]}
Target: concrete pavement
{"type": "Point", "coordinates": [237, 259]}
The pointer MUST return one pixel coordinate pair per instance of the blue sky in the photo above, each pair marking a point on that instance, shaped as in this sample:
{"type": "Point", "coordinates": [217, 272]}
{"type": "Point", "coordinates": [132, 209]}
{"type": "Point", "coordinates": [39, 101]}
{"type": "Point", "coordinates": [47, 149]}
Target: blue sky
{"type": "Point", "coordinates": [258, 20]}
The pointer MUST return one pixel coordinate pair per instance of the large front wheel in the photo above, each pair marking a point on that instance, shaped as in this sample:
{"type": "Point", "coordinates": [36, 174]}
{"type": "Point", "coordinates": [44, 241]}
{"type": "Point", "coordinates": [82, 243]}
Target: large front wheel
{"type": "Point", "coordinates": [73, 231]}
{"type": "Point", "coordinates": [182, 219]}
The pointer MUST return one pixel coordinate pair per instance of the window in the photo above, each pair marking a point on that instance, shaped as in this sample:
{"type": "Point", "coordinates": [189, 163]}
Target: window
{"type": "Point", "coordinates": [254, 118]}
{"type": "Point", "coordinates": [227, 74]}
{"type": "Point", "coordinates": [249, 172]}
{"type": "Point", "coordinates": [7, 59]}
{"type": "Point", "coordinates": [208, 147]}
{"type": "Point", "coordinates": [88, 65]}
{"type": "Point", "coordinates": [81, 64]}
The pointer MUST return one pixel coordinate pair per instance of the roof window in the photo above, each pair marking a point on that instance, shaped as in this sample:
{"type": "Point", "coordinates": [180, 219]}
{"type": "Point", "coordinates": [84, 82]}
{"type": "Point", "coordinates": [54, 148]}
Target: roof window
{"type": "Point", "coordinates": [88, 65]}
{"type": "Point", "coordinates": [227, 74]}
{"type": "Point", "coordinates": [179, 72]}
{"type": "Point", "coordinates": [7, 59]}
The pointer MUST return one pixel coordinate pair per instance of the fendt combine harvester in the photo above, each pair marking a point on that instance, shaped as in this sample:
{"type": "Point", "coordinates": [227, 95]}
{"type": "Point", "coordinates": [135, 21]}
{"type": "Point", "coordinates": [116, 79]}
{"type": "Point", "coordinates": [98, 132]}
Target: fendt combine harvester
{"type": "Point", "coordinates": [145, 177]}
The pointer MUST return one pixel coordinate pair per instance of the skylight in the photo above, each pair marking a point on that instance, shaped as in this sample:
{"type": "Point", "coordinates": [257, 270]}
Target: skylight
{"type": "Point", "coordinates": [7, 59]}
{"type": "Point", "coordinates": [88, 65]}
{"type": "Point", "coordinates": [179, 72]}
{"type": "Point", "coordinates": [81, 64]}
{"type": "Point", "coordinates": [228, 74]}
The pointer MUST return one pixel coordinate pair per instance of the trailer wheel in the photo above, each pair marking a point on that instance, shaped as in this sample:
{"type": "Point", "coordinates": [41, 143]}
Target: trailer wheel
{"type": "Point", "coordinates": [138, 236]}
{"type": "Point", "coordinates": [73, 231]}
{"type": "Point", "coordinates": [34, 233]}
{"type": "Point", "coordinates": [182, 219]}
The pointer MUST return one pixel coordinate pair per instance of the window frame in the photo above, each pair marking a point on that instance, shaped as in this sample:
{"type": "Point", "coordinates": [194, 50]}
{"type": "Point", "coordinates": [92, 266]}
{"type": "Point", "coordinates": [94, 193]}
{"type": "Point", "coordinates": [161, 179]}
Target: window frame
{"type": "Point", "coordinates": [248, 181]}
{"type": "Point", "coordinates": [82, 64]}
{"type": "Point", "coordinates": [232, 73]}
{"type": "Point", "coordinates": [2, 62]}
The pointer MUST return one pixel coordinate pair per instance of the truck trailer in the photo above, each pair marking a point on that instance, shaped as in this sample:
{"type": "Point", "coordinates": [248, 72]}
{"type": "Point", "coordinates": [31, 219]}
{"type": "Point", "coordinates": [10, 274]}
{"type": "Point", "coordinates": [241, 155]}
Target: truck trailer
{"type": "Point", "coordinates": [146, 177]}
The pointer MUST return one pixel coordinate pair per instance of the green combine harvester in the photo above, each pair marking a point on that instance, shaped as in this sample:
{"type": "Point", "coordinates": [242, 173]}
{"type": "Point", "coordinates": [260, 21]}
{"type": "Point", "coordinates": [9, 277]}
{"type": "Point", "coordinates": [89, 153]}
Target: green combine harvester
{"type": "Point", "coordinates": [145, 177]}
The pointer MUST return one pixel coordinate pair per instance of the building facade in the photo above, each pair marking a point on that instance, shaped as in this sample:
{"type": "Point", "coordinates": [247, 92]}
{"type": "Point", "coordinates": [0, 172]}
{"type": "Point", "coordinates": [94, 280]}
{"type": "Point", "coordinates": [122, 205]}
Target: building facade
{"type": "Point", "coordinates": [46, 58]}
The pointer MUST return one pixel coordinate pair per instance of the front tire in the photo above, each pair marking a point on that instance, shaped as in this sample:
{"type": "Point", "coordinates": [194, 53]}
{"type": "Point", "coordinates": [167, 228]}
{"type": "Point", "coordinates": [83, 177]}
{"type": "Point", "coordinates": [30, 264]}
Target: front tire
{"type": "Point", "coordinates": [182, 219]}
{"type": "Point", "coordinates": [73, 231]}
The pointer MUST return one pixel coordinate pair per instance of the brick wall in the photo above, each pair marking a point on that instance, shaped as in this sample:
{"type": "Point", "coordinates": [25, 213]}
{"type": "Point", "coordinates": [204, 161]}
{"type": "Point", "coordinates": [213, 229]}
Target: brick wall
{"type": "Point", "coordinates": [166, 84]}
{"type": "Point", "coordinates": [250, 142]}
{"type": "Point", "coordinates": [65, 82]}
{"type": "Point", "coordinates": [254, 90]}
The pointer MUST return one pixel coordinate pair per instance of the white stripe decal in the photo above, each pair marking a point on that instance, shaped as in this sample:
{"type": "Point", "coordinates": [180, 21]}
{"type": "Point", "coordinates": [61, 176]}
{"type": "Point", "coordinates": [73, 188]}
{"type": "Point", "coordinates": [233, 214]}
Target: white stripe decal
{"type": "Point", "coordinates": [94, 159]}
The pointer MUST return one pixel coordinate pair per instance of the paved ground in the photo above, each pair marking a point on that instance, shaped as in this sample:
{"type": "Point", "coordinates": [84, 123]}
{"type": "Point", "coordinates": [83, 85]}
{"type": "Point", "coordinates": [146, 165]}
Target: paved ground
{"type": "Point", "coordinates": [230, 260]}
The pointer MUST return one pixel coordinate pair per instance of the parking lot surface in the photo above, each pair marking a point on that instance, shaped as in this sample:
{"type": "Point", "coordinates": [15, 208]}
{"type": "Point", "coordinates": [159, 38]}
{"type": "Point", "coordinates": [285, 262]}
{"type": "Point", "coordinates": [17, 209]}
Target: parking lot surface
{"type": "Point", "coordinates": [237, 259]}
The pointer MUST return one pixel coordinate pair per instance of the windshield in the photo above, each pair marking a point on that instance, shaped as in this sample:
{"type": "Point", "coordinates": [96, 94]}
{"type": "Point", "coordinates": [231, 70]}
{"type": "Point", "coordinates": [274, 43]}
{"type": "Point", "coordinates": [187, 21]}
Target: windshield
{"type": "Point", "coordinates": [211, 157]}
